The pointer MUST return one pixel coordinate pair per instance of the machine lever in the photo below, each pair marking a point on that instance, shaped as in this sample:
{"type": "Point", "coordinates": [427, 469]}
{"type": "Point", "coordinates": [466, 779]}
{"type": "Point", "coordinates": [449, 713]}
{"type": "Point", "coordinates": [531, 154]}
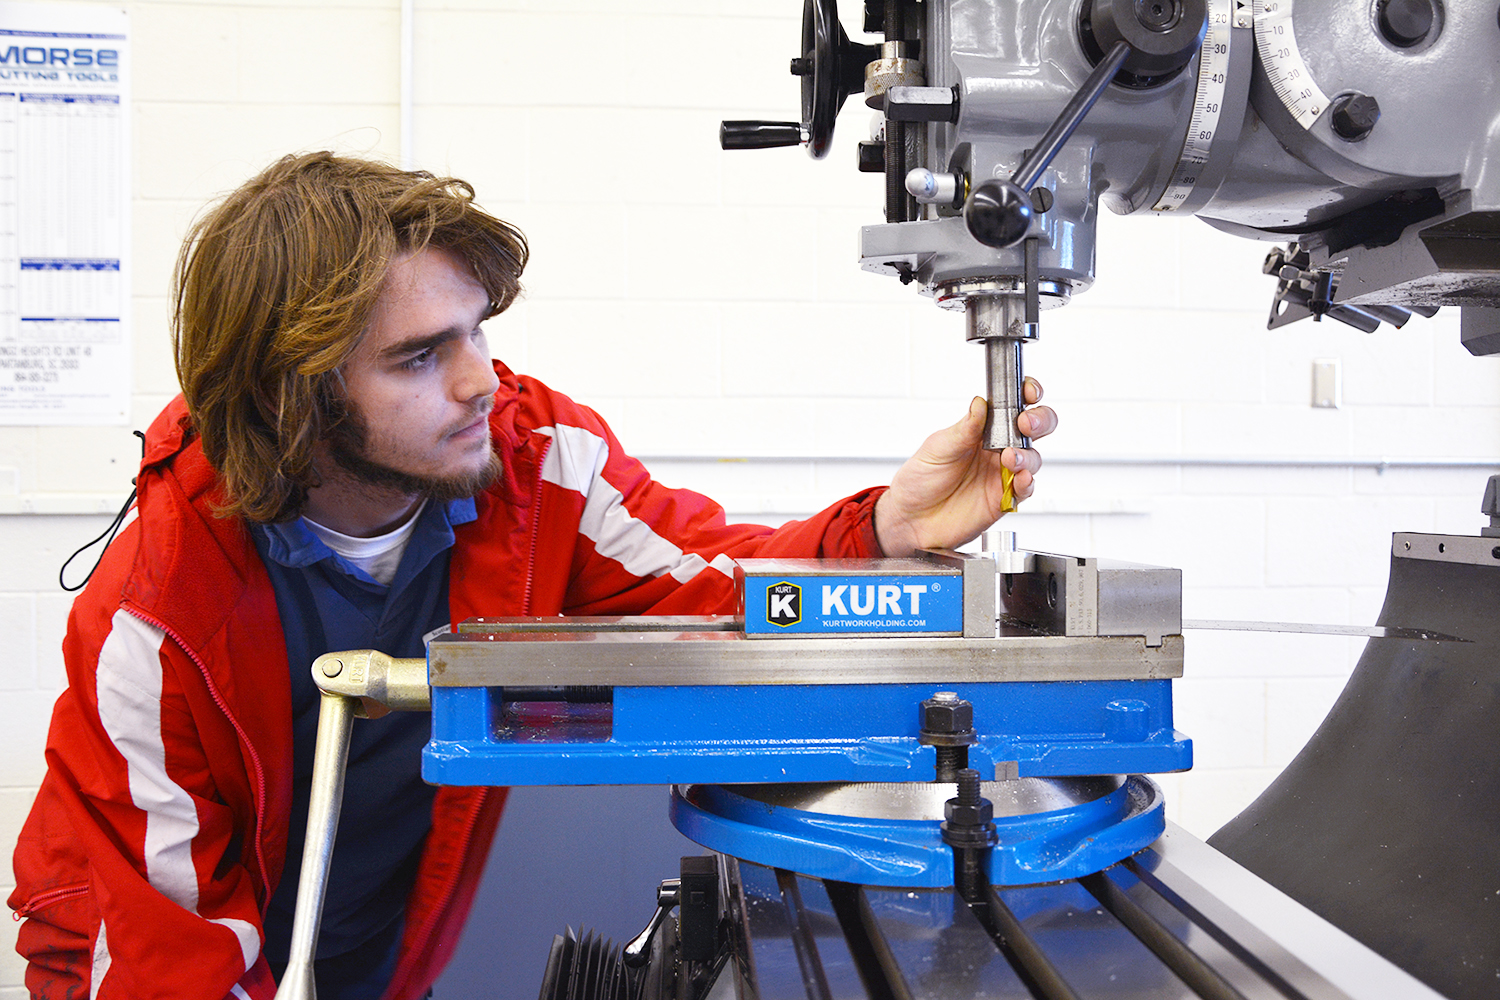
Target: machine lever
{"type": "Point", "coordinates": [999, 212]}
{"type": "Point", "coordinates": [1072, 116]}
{"type": "Point", "coordinates": [1129, 38]}
{"type": "Point", "coordinates": [668, 895]}
{"type": "Point", "coordinates": [760, 134]}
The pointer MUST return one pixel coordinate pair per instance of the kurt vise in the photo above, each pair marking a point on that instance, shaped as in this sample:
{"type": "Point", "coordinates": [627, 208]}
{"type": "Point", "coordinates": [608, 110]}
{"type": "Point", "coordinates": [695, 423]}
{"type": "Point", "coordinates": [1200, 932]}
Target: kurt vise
{"type": "Point", "coordinates": [805, 732]}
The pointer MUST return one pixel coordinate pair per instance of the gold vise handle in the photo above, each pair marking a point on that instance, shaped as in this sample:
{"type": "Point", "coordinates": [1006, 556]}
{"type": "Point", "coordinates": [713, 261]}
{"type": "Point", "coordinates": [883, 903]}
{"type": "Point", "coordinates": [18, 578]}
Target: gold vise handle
{"type": "Point", "coordinates": [363, 683]}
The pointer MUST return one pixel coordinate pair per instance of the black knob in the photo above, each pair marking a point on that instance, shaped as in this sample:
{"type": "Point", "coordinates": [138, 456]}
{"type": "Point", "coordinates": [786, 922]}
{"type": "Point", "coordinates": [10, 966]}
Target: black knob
{"type": "Point", "coordinates": [758, 134]}
{"type": "Point", "coordinates": [1405, 23]}
{"type": "Point", "coordinates": [998, 214]}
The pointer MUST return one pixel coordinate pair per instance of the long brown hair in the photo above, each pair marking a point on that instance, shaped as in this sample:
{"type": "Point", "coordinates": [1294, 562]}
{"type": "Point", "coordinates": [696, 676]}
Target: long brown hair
{"type": "Point", "coordinates": [274, 287]}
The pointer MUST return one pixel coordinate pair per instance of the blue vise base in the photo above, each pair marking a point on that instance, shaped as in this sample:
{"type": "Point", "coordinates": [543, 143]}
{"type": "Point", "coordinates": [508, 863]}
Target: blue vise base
{"type": "Point", "coordinates": [553, 708]}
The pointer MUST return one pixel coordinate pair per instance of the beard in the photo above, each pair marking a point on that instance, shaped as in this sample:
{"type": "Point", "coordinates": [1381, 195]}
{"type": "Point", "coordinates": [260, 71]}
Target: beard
{"type": "Point", "coordinates": [349, 445]}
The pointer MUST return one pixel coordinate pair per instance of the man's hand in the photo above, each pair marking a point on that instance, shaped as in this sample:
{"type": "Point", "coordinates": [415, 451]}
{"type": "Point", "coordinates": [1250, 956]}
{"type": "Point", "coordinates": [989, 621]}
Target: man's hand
{"type": "Point", "coordinates": [952, 489]}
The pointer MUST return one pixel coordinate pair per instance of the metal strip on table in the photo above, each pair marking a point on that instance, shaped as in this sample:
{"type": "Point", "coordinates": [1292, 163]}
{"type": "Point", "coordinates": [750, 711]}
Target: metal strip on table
{"type": "Point", "coordinates": [1366, 631]}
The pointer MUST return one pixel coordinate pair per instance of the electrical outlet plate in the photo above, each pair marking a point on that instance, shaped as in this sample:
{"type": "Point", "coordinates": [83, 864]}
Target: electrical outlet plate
{"type": "Point", "coordinates": [1327, 386]}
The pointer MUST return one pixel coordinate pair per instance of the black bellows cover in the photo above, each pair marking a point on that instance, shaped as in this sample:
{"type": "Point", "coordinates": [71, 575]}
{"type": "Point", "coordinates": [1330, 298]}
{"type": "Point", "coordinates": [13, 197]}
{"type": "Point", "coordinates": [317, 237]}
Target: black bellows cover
{"type": "Point", "coordinates": [1387, 824]}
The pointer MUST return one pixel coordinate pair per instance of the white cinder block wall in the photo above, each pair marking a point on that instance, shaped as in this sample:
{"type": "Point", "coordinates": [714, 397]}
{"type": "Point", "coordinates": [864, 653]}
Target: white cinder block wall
{"type": "Point", "coordinates": [711, 306]}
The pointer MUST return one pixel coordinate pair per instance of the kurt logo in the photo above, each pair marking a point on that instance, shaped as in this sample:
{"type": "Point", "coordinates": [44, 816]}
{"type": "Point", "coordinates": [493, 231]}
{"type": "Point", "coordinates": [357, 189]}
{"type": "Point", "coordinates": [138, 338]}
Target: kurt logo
{"type": "Point", "coordinates": [783, 604]}
{"type": "Point", "coordinates": [882, 600]}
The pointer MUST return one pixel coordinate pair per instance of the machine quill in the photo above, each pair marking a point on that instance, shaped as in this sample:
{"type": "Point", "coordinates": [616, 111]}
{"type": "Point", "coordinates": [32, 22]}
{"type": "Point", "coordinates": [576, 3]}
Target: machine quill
{"type": "Point", "coordinates": [929, 778]}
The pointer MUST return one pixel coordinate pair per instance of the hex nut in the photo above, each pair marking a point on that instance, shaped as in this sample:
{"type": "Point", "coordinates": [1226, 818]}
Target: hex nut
{"type": "Point", "coordinates": [947, 716]}
{"type": "Point", "coordinates": [947, 722]}
{"type": "Point", "coordinates": [1354, 116]}
{"type": "Point", "coordinates": [969, 815]}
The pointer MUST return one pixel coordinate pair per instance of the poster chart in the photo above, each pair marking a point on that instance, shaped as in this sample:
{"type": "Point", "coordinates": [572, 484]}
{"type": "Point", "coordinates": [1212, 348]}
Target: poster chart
{"type": "Point", "coordinates": [64, 214]}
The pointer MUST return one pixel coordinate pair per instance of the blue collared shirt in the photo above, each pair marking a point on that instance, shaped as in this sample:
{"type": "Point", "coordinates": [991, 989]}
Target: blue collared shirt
{"type": "Point", "coordinates": [327, 604]}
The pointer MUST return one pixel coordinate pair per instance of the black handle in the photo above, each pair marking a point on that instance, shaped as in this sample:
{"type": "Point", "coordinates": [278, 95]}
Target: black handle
{"type": "Point", "coordinates": [759, 135]}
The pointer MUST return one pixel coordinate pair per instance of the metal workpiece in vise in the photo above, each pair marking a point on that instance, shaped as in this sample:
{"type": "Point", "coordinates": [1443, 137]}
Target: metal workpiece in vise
{"type": "Point", "coordinates": [355, 684]}
{"type": "Point", "coordinates": [1000, 548]}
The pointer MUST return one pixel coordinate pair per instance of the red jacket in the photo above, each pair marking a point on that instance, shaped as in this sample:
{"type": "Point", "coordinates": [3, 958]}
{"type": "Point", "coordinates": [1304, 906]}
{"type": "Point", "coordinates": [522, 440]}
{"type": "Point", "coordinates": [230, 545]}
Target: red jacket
{"type": "Point", "coordinates": [160, 830]}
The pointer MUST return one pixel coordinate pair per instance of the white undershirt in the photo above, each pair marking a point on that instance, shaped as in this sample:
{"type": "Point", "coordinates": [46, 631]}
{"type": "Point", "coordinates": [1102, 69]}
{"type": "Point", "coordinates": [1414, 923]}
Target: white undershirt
{"type": "Point", "coordinates": [379, 556]}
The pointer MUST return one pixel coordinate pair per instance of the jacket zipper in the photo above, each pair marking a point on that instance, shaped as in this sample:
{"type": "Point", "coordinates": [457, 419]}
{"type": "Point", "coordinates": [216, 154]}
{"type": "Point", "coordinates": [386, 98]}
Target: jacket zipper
{"type": "Point", "coordinates": [260, 774]}
{"type": "Point", "coordinates": [536, 528]}
{"type": "Point", "coordinates": [450, 883]}
{"type": "Point", "coordinates": [43, 900]}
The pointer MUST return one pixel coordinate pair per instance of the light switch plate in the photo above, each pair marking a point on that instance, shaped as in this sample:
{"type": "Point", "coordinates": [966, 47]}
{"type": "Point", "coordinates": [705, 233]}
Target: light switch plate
{"type": "Point", "coordinates": [1327, 384]}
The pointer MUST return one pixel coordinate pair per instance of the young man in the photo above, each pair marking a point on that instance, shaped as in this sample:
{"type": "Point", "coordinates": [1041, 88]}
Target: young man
{"type": "Point", "coordinates": [347, 468]}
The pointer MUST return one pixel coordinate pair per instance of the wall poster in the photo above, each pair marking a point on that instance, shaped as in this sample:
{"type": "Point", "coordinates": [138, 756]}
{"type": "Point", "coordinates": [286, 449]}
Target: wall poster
{"type": "Point", "coordinates": [64, 214]}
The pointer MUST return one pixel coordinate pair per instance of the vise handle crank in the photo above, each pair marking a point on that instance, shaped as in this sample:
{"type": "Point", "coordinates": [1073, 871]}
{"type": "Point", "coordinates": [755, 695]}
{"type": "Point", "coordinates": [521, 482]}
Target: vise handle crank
{"type": "Point", "coordinates": [362, 683]}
